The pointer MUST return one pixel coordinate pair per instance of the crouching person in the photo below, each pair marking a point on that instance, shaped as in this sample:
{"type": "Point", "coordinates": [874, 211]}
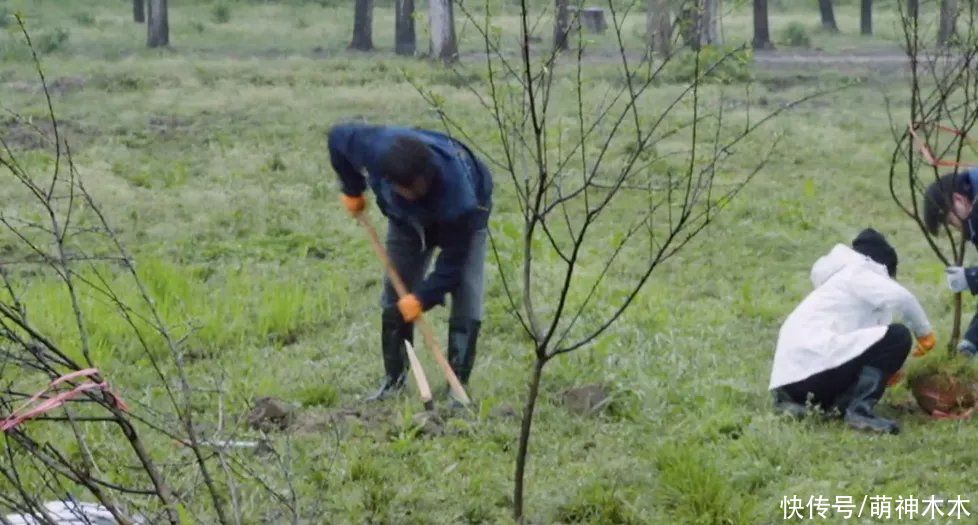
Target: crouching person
{"type": "Point", "coordinates": [839, 347]}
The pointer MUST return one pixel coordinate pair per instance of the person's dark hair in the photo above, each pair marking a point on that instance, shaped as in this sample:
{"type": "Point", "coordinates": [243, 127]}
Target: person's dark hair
{"type": "Point", "coordinates": [872, 244]}
{"type": "Point", "coordinates": [407, 161]}
{"type": "Point", "coordinates": [938, 199]}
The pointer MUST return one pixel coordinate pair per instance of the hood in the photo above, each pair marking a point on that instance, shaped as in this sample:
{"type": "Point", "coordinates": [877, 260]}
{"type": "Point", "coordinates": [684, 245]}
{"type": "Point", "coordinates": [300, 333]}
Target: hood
{"type": "Point", "coordinates": [839, 258]}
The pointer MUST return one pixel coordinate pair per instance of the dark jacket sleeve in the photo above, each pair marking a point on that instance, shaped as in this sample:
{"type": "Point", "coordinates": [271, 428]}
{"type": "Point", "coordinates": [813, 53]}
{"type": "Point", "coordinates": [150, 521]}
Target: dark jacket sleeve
{"type": "Point", "coordinates": [349, 152]}
{"type": "Point", "coordinates": [456, 240]}
{"type": "Point", "coordinates": [971, 274]}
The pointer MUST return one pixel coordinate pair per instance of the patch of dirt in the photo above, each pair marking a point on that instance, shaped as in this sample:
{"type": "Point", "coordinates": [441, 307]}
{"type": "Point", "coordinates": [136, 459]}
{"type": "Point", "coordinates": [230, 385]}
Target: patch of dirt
{"type": "Point", "coordinates": [875, 60]}
{"type": "Point", "coordinates": [20, 136]}
{"type": "Point", "coordinates": [197, 354]}
{"type": "Point", "coordinates": [58, 86]}
{"type": "Point", "coordinates": [505, 412]}
{"type": "Point", "coordinates": [39, 134]}
{"type": "Point", "coordinates": [287, 338]}
{"type": "Point", "coordinates": [168, 124]}
{"type": "Point", "coordinates": [787, 81]}
{"type": "Point", "coordinates": [22, 86]}
{"type": "Point", "coordinates": [317, 420]}
{"type": "Point", "coordinates": [64, 85]}
{"type": "Point", "coordinates": [269, 414]}
{"type": "Point", "coordinates": [428, 424]}
{"type": "Point", "coordinates": [586, 400]}
{"type": "Point", "coordinates": [318, 252]}
{"type": "Point", "coordinates": [381, 420]}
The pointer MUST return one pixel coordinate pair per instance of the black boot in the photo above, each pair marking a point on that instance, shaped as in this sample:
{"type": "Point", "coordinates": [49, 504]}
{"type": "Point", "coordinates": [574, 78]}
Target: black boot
{"type": "Point", "coordinates": [393, 333]}
{"type": "Point", "coordinates": [862, 397]}
{"type": "Point", "coordinates": [786, 405]}
{"type": "Point", "coordinates": [462, 337]}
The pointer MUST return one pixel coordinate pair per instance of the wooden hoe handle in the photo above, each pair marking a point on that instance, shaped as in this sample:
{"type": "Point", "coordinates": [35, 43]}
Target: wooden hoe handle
{"type": "Point", "coordinates": [429, 336]}
{"type": "Point", "coordinates": [419, 377]}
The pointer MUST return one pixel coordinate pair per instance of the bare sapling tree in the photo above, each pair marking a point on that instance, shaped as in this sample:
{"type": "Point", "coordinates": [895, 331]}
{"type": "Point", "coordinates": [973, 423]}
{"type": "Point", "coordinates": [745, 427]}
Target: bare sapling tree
{"type": "Point", "coordinates": [610, 177]}
{"type": "Point", "coordinates": [932, 135]}
{"type": "Point", "coordinates": [89, 431]}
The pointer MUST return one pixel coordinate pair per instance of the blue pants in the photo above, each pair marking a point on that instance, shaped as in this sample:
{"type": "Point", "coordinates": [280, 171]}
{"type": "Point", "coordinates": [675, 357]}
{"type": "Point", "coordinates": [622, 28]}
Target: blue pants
{"type": "Point", "coordinates": [411, 257]}
{"type": "Point", "coordinates": [971, 334]}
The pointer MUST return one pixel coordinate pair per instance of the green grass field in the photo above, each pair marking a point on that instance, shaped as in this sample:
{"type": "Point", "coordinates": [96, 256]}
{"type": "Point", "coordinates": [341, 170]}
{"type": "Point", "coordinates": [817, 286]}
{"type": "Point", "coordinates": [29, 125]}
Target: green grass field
{"type": "Point", "coordinates": [210, 160]}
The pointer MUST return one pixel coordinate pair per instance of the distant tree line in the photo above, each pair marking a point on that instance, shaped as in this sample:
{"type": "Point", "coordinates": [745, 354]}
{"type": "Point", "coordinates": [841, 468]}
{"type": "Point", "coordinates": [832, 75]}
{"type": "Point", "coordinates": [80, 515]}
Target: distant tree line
{"type": "Point", "coordinates": [696, 22]}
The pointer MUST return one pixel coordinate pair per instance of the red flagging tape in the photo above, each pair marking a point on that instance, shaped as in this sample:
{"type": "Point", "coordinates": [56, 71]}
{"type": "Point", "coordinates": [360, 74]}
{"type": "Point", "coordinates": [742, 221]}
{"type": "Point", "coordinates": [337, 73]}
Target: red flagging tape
{"type": "Point", "coordinates": [30, 410]}
{"type": "Point", "coordinates": [928, 153]}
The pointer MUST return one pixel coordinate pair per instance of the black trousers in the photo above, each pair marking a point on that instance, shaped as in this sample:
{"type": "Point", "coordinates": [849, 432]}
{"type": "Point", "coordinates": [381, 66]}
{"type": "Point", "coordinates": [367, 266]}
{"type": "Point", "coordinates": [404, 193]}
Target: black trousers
{"type": "Point", "coordinates": [887, 354]}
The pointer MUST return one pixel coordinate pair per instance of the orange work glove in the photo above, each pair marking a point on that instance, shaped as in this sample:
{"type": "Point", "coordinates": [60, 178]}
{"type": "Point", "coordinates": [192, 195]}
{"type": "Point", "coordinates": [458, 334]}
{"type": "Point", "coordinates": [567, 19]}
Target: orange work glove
{"type": "Point", "coordinates": [895, 378]}
{"type": "Point", "coordinates": [410, 307]}
{"type": "Point", "coordinates": [354, 205]}
{"type": "Point", "coordinates": [925, 344]}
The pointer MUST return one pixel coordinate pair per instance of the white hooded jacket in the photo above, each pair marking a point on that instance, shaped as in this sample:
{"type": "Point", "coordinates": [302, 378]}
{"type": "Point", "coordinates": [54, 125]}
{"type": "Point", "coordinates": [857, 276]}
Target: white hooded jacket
{"type": "Point", "coordinates": [853, 303]}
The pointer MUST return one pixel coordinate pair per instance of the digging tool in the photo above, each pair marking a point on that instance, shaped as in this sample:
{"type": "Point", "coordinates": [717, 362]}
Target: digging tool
{"type": "Point", "coordinates": [419, 377]}
{"type": "Point", "coordinates": [429, 336]}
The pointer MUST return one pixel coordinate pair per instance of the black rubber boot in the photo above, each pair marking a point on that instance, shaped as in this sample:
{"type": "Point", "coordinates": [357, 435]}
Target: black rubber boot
{"type": "Point", "coordinates": [463, 334]}
{"type": "Point", "coordinates": [393, 333]}
{"type": "Point", "coordinates": [862, 398]}
{"type": "Point", "coordinates": [784, 404]}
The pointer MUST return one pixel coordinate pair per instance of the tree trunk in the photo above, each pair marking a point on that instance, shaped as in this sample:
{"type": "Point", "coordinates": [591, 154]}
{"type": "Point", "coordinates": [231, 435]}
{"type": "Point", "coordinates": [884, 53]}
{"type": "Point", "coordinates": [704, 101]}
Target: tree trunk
{"type": "Point", "coordinates": [658, 27]}
{"type": "Point", "coordinates": [828, 16]}
{"type": "Point", "coordinates": [913, 8]}
{"type": "Point", "coordinates": [688, 21]}
{"type": "Point", "coordinates": [363, 23]}
{"type": "Point", "coordinates": [531, 402]}
{"type": "Point", "coordinates": [561, 25]}
{"type": "Point", "coordinates": [442, 22]}
{"type": "Point", "coordinates": [709, 23]}
{"type": "Point", "coordinates": [158, 27]}
{"type": "Point", "coordinates": [866, 17]}
{"type": "Point", "coordinates": [762, 33]}
{"type": "Point", "coordinates": [404, 37]}
{"type": "Point", "coordinates": [139, 11]}
{"type": "Point", "coordinates": [949, 17]}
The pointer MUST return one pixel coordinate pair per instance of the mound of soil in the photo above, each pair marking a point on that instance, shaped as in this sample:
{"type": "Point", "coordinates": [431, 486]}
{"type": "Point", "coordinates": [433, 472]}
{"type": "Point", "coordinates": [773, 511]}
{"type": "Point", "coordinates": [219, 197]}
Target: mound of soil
{"type": "Point", "coordinates": [587, 399]}
{"type": "Point", "coordinates": [270, 414]}
{"type": "Point", "coordinates": [941, 394]}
